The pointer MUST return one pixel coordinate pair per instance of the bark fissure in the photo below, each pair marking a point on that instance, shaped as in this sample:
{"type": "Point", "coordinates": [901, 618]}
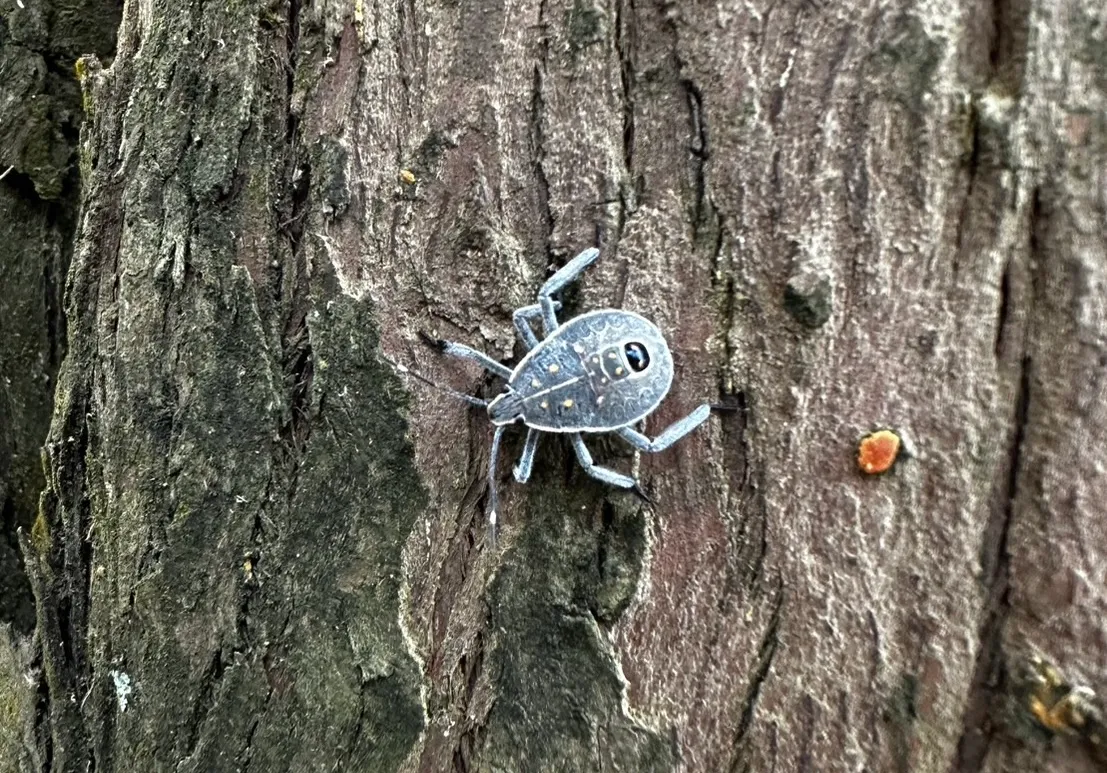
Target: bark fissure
{"type": "Point", "coordinates": [245, 757]}
{"type": "Point", "coordinates": [471, 739]}
{"type": "Point", "coordinates": [972, 171]}
{"type": "Point", "coordinates": [976, 735]}
{"type": "Point", "coordinates": [205, 702]}
{"type": "Point", "coordinates": [625, 46]}
{"type": "Point", "coordinates": [1004, 315]}
{"type": "Point", "coordinates": [297, 358]}
{"type": "Point", "coordinates": [538, 133]}
{"type": "Point", "coordinates": [538, 144]}
{"type": "Point", "coordinates": [770, 639]}
{"type": "Point", "coordinates": [989, 669]}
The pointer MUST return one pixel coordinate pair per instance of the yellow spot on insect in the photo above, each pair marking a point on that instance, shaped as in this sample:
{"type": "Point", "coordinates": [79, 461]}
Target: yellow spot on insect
{"type": "Point", "coordinates": [878, 451]}
{"type": "Point", "coordinates": [611, 355]}
{"type": "Point", "coordinates": [535, 383]}
{"type": "Point", "coordinates": [568, 403]}
{"type": "Point", "coordinates": [545, 404]}
{"type": "Point", "coordinates": [554, 368]}
{"type": "Point", "coordinates": [595, 359]}
{"type": "Point", "coordinates": [407, 176]}
{"type": "Point", "coordinates": [618, 371]}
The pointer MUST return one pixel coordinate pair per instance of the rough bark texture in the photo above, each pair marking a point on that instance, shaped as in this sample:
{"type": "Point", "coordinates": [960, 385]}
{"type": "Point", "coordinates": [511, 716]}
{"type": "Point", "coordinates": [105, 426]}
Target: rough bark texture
{"type": "Point", "coordinates": [40, 114]}
{"type": "Point", "coordinates": [260, 547]}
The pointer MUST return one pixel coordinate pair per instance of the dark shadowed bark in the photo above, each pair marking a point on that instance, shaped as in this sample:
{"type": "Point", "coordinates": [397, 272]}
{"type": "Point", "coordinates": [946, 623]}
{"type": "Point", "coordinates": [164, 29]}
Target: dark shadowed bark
{"type": "Point", "coordinates": [40, 116]}
{"type": "Point", "coordinates": [261, 546]}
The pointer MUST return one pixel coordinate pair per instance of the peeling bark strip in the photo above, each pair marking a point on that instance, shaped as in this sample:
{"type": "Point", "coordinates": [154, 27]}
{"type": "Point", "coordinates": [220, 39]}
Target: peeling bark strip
{"type": "Point", "coordinates": [258, 551]}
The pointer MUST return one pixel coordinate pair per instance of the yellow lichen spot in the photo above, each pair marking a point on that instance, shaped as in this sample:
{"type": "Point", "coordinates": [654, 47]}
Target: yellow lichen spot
{"type": "Point", "coordinates": [568, 403]}
{"type": "Point", "coordinates": [407, 176]}
{"type": "Point", "coordinates": [359, 16]}
{"type": "Point", "coordinates": [554, 368]}
{"type": "Point", "coordinates": [83, 69]}
{"type": "Point", "coordinates": [40, 534]}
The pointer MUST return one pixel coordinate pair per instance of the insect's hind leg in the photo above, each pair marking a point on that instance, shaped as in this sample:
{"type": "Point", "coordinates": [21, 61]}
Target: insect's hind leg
{"type": "Point", "coordinates": [670, 435]}
{"type": "Point", "coordinates": [562, 277]}
{"type": "Point", "coordinates": [463, 352]}
{"type": "Point", "coordinates": [609, 477]}
{"type": "Point", "coordinates": [522, 318]}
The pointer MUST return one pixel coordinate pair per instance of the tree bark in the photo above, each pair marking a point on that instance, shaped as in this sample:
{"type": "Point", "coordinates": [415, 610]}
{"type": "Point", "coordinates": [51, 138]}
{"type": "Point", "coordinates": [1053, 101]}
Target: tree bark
{"type": "Point", "coordinates": [261, 546]}
{"type": "Point", "coordinates": [40, 115]}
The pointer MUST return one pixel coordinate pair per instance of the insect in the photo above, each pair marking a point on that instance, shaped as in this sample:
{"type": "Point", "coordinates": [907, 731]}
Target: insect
{"type": "Point", "coordinates": [603, 371]}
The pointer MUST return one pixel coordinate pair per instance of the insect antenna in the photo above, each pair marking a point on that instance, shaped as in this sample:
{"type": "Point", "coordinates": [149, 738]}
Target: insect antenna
{"type": "Point", "coordinates": [493, 494]}
{"type": "Point", "coordinates": [444, 390]}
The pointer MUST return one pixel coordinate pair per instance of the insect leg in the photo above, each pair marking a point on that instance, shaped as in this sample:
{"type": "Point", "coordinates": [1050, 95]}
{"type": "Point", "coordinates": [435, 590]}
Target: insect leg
{"type": "Point", "coordinates": [610, 477]}
{"type": "Point", "coordinates": [463, 352]}
{"type": "Point", "coordinates": [522, 317]}
{"type": "Point", "coordinates": [670, 435]}
{"type": "Point", "coordinates": [526, 460]}
{"type": "Point", "coordinates": [493, 491]}
{"type": "Point", "coordinates": [562, 277]}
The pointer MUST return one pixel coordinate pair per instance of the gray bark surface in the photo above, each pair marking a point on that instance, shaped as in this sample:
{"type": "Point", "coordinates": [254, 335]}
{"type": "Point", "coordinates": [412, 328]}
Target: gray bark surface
{"type": "Point", "coordinates": [261, 547]}
{"type": "Point", "coordinates": [40, 115]}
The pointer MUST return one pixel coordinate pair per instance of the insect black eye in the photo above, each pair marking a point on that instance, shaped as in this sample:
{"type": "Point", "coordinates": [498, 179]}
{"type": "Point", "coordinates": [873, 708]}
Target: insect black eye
{"type": "Point", "coordinates": [637, 357]}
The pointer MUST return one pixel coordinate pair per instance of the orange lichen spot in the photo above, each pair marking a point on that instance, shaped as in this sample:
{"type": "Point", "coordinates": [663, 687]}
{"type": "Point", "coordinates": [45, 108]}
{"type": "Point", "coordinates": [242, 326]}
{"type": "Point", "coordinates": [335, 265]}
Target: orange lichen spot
{"type": "Point", "coordinates": [877, 451]}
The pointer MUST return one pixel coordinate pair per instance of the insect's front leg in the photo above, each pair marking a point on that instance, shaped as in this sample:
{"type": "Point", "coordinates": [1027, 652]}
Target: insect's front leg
{"type": "Point", "coordinates": [562, 277]}
{"type": "Point", "coordinates": [670, 435]}
{"type": "Point", "coordinates": [522, 318]}
{"type": "Point", "coordinates": [461, 351]}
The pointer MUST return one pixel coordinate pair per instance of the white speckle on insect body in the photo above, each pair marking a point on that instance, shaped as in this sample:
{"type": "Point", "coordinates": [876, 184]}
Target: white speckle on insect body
{"type": "Point", "coordinates": [568, 403]}
{"type": "Point", "coordinates": [578, 348]}
{"type": "Point", "coordinates": [554, 368]}
{"type": "Point", "coordinates": [535, 383]}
